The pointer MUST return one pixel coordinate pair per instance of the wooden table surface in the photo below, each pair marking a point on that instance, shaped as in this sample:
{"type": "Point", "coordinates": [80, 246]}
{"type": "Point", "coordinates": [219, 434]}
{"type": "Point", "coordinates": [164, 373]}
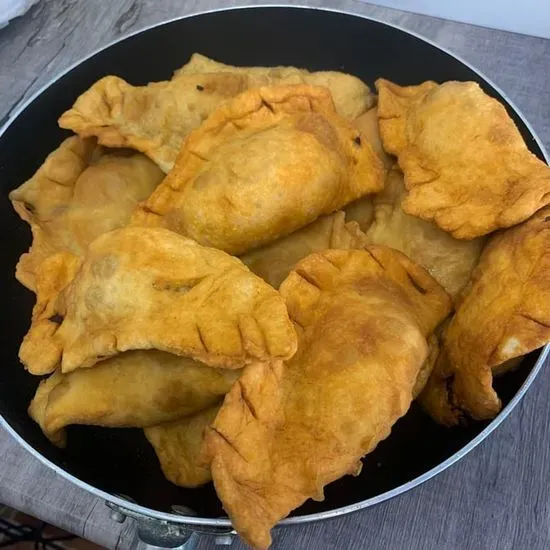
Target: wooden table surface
{"type": "Point", "coordinates": [497, 497]}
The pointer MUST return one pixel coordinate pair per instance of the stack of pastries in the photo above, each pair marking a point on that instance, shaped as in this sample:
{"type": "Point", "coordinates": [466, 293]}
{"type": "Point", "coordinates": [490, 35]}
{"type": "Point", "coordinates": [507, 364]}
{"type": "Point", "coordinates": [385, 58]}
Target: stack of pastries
{"type": "Point", "coordinates": [263, 267]}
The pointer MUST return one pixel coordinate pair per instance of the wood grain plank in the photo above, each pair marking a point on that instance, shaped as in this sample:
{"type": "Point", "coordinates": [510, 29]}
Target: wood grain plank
{"type": "Point", "coordinates": [496, 497]}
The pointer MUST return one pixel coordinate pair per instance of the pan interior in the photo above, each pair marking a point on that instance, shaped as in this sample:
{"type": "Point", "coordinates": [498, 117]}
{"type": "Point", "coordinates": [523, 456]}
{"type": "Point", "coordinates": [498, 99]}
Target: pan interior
{"type": "Point", "coordinates": [121, 461]}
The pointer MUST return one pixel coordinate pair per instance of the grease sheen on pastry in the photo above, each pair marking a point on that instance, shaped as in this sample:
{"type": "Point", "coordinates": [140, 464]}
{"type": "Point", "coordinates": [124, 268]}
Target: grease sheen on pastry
{"type": "Point", "coordinates": [286, 430]}
{"type": "Point", "coordinates": [262, 166]}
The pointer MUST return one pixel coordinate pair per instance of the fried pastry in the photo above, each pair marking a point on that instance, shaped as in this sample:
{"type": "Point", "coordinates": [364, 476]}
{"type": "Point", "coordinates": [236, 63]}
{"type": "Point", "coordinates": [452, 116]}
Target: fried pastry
{"type": "Point", "coordinates": [286, 430]}
{"type": "Point", "coordinates": [371, 221]}
{"type": "Point", "coordinates": [351, 96]}
{"type": "Point", "coordinates": [367, 124]}
{"type": "Point", "coordinates": [51, 185]}
{"type": "Point", "coordinates": [155, 119]}
{"type": "Point", "coordinates": [79, 193]}
{"type": "Point", "coordinates": [53, 275]}
{"type": "Point", "coordinates": [179, 447]}
{"type": "Point", "coordinates": [150, 288]}
{"type": "Point", "coordinates": [275, 261]}
{"type": "Point", "coordinates": [362, 210]}
{"type": "Point", "coordinates": [134, 389]}
{"type": "Point", "coordinates": [450, 261]}
{"type": "Point", "coordinates": [504, 314]}
{"type": "Point", "coordinates": [262, 166]}
{"type": "Point", "coordinates": [466, 165]}
{"type": "Point", "coordinates": [427, 367]}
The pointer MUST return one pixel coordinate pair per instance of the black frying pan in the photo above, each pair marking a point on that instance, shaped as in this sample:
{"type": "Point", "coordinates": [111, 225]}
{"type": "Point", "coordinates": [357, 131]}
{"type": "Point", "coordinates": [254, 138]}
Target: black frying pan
{"type": "Point", "coordinates": [121, 461]}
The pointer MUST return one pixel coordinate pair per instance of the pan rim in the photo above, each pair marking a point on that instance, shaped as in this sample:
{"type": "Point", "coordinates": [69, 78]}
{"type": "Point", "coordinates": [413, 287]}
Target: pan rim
{"type": "Point", "coordinates": [140, 510]}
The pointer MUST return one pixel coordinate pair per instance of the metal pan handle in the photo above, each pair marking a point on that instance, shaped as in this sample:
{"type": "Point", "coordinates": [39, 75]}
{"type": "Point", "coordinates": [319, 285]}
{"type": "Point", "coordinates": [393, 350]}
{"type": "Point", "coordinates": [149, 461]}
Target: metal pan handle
{"type": "Point", "coordinates": [157, 539]}
{"type": "Point", "coordinates": [155, 534]}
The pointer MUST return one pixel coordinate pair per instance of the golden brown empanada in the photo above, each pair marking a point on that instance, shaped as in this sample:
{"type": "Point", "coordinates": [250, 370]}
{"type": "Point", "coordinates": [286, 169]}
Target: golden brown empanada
{"type": "Point", "coordinates": [134, 389]}
{"type": "Point", "coordinates": [52, 276]}
{"type": "Point", "coordinates": [450, 261]}
{"type": "Point", "coordinates": [367, 124]}
{"type": "Point", "coordinates": [466, 165]}
{"type": "Point", "coordinates": [284, 431]}
{"type": "Point", "coordinates": [351, 96]}
{"type": "Point", "coordinates": [150, 288]}
{"type": "Point", "coordinates": [179, 447]}
{"type": "Point", "coordinates": [275, 261]}
{"type": "Point", "coordinates": [79, 193]}
{"type": "Point", "coordinates": [428, 366]}
{"type": "Point", "coordinates": [504, 314]}
{"type": "Point", "coordinates": [51, 185]}
{"type": "Point", "coordinates": [362, 210]}
{"type": "Point", "coordinates": [262, 166]}
{"type": "Point", "coordinates": [155, 119]}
